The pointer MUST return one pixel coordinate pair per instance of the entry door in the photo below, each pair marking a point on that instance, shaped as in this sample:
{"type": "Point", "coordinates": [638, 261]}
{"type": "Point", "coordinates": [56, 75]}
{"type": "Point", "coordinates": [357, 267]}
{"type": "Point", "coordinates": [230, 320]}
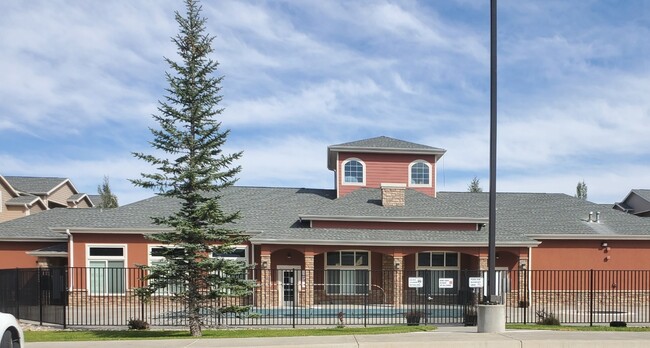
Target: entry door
{"type": "Point", "coordinates": [287, 286]}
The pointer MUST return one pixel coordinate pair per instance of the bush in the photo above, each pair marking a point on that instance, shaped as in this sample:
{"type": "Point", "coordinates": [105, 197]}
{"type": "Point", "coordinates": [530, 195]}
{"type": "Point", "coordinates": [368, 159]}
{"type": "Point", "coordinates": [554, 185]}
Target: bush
{"type": "Point", "coordinates": [523, 304]}
{"type": "Point", "coordinates": [137, 324]}
{"type": "Point", "coordinates": [618, 324]}
{"type": "Point", "coordinates": [544, 318]}
{"type": "Point", "coordinates": [413, 318]}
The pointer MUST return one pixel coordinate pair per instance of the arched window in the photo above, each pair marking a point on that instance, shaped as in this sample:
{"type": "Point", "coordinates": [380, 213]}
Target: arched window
{"type": "Point", "coordinates": [420, 174]}
{"type": "Point", "coordinates": [353, 171]}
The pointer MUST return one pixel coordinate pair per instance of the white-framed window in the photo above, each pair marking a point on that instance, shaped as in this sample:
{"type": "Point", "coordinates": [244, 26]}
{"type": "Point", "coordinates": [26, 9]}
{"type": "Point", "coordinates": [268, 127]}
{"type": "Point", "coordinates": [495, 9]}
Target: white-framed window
{"type": "Point", "coordinates": [347, 272]}
{"type": "Point", "coordinates": [433, 265]}
{"type": "Point", "coordinates": [106, 272]}
{"type": "Point", "coordinates": [238, 253]}
{"type": "Point", "coordinates": [156, 257]}
{"type": "Point", "coordinates": [420, 174]}
{"type": "Point", "coordinates": [354, 172]}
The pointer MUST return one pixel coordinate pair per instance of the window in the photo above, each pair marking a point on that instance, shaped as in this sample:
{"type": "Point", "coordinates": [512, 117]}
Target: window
{"type": "Point", "coordinates": [347, 272]}
{"type": "Point", "coordinates": [420, 173]}
{"type": "Point", "coordinates": [106, 273]}
{"type": "Point", "coordinates": [354, 172]}
{"type": "Point", "coordinates": [237, 253]}
{"type": "Point", "coordinates": [435, 265]}
{"type": "Point", "coordinates": [157, 257]}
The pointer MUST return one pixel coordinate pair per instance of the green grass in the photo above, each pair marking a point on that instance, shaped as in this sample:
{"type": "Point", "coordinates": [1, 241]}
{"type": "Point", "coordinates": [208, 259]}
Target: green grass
{"type": "Point", "coordinates": [575, 328]}
{"type": "Point", "coordinates": [110, 335]}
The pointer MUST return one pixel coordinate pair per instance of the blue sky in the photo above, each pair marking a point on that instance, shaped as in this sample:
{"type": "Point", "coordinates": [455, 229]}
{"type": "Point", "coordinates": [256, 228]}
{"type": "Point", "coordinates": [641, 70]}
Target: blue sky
{"type": "Point", "coordinates": [80, 80]}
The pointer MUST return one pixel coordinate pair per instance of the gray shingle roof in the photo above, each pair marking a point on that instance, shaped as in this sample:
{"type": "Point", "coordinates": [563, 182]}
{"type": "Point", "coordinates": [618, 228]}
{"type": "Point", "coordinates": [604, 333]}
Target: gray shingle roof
{"type": "Point", "coordinates": [380, 144]}
{"type": "Point", "coordinates": [22, 200]}
{"type": "Point", "coordinates": [272, 216]}
{"type": "Point", "coordinates": [383, 142]}
{"type": "Point", "coordinates": [34, 185]}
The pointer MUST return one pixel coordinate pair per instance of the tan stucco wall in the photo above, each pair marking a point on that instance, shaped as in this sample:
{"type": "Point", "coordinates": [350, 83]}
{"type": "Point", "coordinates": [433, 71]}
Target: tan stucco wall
{"type": "Point", "coordinates": [62, 194]}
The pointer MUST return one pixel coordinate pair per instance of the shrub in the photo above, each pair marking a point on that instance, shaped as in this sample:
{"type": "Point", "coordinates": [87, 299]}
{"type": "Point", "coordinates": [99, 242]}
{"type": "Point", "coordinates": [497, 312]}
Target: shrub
{"type": "Point", "coordinates": [413, 318]}
{"type": "Point", "coordinates": [544, 318]}
{"type": "Point", "coordinates": [523, 304]}
{"type": "Point", "coordinates": [137, 324]}
{"type": "Point", "coordinates": [618, 324]}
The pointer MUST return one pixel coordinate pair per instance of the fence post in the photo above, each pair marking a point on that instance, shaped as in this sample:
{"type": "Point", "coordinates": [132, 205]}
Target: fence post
{"type": "Point", "coordinates": [365, 306]}
{"type": "Point", "coordinates": [40, 296]}
{"type": "Point", "coordinates": [295, 297]}
{"type": "Point", "coordinates": [66, 298]}
{"type": "Point", "coordinates": [591, 297]}
{"type": "Point", "coordinates": [17, 294]}
{"type": "Point", "coordinates": [527, 300]}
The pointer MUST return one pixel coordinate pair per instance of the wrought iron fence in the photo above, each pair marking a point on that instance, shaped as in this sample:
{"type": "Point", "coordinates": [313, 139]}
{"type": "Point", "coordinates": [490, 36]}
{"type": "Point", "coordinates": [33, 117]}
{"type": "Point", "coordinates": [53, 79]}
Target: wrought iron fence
{"type": "Point", "coordinates": [294, 297]}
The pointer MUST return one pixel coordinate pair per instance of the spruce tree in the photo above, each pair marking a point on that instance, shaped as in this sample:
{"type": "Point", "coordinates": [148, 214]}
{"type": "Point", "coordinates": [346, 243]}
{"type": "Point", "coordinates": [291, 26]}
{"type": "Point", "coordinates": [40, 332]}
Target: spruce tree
{"type": "Point", "coordinates": [474, 186]}
{"type": "Point", "coordinates": [108, 199]}
{"type": "Point", "coordinates": [194, 172]}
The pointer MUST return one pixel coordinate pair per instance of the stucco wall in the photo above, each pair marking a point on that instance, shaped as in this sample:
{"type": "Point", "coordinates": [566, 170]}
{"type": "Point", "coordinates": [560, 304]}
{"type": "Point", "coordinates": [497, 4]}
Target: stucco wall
{"type": "Point", "coordinates": [13, 254]}
{"type": "Point", "coordinates": [589, 254]}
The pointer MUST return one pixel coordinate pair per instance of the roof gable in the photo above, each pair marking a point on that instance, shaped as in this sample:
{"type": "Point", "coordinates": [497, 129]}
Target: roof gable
{"type": "Point", "coordinates": [381, 144]}
{"type": "Point", "coordinates": [37, 185]}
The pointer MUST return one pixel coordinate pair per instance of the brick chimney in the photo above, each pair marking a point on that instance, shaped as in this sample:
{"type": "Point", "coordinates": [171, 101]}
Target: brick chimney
{"type": "Point", "coordinates": [392, 195]}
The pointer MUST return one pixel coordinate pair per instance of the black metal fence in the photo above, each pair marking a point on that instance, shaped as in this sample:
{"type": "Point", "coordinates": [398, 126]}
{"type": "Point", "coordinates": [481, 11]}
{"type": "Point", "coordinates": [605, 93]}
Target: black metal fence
{"type": "Point", "coordinates": [35, 294]}
{"type": "Point", "coordinates": [294, 297]}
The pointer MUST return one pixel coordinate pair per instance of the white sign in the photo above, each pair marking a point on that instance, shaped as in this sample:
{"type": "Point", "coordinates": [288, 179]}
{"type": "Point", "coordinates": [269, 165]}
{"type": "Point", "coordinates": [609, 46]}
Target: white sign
{"type": "Point", "coordinates": [446, 283]}
{"type": "Point", "coordinates": [416, 282]}
{"type": "Point", "coordinates": [475, 282]}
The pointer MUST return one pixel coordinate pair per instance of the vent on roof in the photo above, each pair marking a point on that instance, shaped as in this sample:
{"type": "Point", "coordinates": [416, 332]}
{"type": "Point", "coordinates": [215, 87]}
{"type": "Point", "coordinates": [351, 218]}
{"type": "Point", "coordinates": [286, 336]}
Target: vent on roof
{"type": "Point", "coordinates": [392, 195]}
{"type": "Point", "coordinates": [593, 218]}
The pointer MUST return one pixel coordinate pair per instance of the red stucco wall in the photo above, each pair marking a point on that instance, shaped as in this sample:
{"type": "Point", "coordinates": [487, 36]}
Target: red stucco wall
{"type": "Point", "coordinates": [13, 254]}
{"type": "Point", "coordinates": [588, 254]}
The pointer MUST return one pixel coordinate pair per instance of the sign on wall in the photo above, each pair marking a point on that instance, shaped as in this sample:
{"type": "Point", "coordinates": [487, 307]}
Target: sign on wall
{"type": "Point", "coordinates": [446, 283]}
{"type": "Point", "coordinates": [416, 282]}
{"type": "Point", "coordinates": [475, 282]}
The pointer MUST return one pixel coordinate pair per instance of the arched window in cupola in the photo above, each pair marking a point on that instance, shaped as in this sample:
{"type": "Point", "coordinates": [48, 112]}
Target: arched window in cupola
{"type": "Point", "coordinates": [420, 173]}
{"type": "Point", "coordinates": [354, 172]}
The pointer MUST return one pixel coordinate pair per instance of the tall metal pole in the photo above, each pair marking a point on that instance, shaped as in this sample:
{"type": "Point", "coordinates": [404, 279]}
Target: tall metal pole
{"type": "Point", "coordinates": [493, 155]}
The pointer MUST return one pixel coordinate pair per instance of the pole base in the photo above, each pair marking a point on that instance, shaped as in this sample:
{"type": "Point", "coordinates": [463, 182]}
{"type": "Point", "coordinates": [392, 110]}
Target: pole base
{"type": "Point", "coordinates": [491, 318]}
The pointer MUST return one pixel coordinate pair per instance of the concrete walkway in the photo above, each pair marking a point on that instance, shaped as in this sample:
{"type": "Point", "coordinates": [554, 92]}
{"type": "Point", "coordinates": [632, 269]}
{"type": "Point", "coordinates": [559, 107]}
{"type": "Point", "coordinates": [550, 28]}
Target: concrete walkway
{"type": "Point", "coordinates": [443, 337]}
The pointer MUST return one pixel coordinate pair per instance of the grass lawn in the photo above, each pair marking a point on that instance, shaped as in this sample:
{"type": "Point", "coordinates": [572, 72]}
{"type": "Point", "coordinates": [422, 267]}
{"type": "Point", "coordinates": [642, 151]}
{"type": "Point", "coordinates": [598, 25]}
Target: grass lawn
{"type": "Point", "coordinates": [575, 328]}
{"type": "Point", "coordinates": [106, 335]}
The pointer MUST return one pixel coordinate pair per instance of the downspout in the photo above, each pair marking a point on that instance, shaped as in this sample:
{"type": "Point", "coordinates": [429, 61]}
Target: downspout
{"type": "Point", "coordinates": [70, 257]}
{"type": "Point", "coordinates": [530, 268]}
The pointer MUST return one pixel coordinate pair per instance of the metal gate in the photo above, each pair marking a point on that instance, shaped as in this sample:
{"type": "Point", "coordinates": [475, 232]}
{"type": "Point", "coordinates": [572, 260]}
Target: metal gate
{"type": "Point", "coordinates": [35, 294]}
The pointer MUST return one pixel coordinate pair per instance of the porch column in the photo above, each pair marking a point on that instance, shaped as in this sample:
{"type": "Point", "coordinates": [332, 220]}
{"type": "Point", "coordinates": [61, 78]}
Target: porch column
{"type": "Point", "coordinates": [483, 263]}
{"type": "Point", "coordinates": [398, 280]}
{"type": "Point", "coordinates": [265, 287]}
{"type": "Point", "coordinates": [523, 282]}
{"type": "Point", "coordinates": [309, 279]}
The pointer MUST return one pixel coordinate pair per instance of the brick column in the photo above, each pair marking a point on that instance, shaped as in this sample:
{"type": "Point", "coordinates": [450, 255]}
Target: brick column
{"type": "Point", "coordinates": [398, 280]}
{"type": "Point", "coordinates": [265, 287]}
{"type": "Point", "coordinates": [523, 281]}
{"type": "Point", "coordinates": [309, 280]}
{"type": "Point", "coordinates": [483, 263]}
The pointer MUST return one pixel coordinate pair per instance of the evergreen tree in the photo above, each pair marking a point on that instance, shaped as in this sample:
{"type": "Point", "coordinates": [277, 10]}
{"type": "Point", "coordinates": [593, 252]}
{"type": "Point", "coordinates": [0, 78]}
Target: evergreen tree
{"type": "Point", "coordinates": [194, 172]}
{"type": "Point", "coordinates": [581, 190]}
{"type": "Point", "coordinates": [474, 186]}
{"type": "Point", "coordinates": [108, 199]}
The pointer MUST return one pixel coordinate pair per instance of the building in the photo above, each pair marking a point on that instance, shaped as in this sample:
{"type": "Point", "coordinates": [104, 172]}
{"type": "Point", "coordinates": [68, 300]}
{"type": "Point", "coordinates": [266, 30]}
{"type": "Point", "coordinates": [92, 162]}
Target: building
{"type": "Point", "coordinates": [22, 196]}
{"type": "Point", "coordinates": [636, 202]}
{"type": "Point", "coordinates": [384, 214]}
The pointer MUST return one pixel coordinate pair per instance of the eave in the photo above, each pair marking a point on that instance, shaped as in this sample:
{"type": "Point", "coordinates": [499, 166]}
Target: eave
{"type": "Point", "coordinates": [406, 219]}
{"type": "Point", "coordinates": [390, 243]}
{"type": "Point", "coordinates": [588, 237]}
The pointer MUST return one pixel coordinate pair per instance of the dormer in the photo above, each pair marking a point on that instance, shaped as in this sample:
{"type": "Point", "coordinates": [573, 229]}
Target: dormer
{"type": "Point", "coordinates": [381, 160]}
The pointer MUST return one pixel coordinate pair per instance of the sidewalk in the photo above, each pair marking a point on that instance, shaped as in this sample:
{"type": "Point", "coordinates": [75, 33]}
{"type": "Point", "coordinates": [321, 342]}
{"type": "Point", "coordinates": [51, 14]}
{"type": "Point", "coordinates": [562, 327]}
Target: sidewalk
{"type": "Point", "coordinates": [465, 337]}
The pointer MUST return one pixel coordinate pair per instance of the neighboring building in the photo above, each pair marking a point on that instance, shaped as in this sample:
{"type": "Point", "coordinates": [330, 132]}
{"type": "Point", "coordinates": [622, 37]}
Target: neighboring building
{"type": "Point", "coordinates": [636, 202]}
{"type": "Point", "coordinates": [385, 213]}
{"type": "Point", "coordinates": [22, 196]}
